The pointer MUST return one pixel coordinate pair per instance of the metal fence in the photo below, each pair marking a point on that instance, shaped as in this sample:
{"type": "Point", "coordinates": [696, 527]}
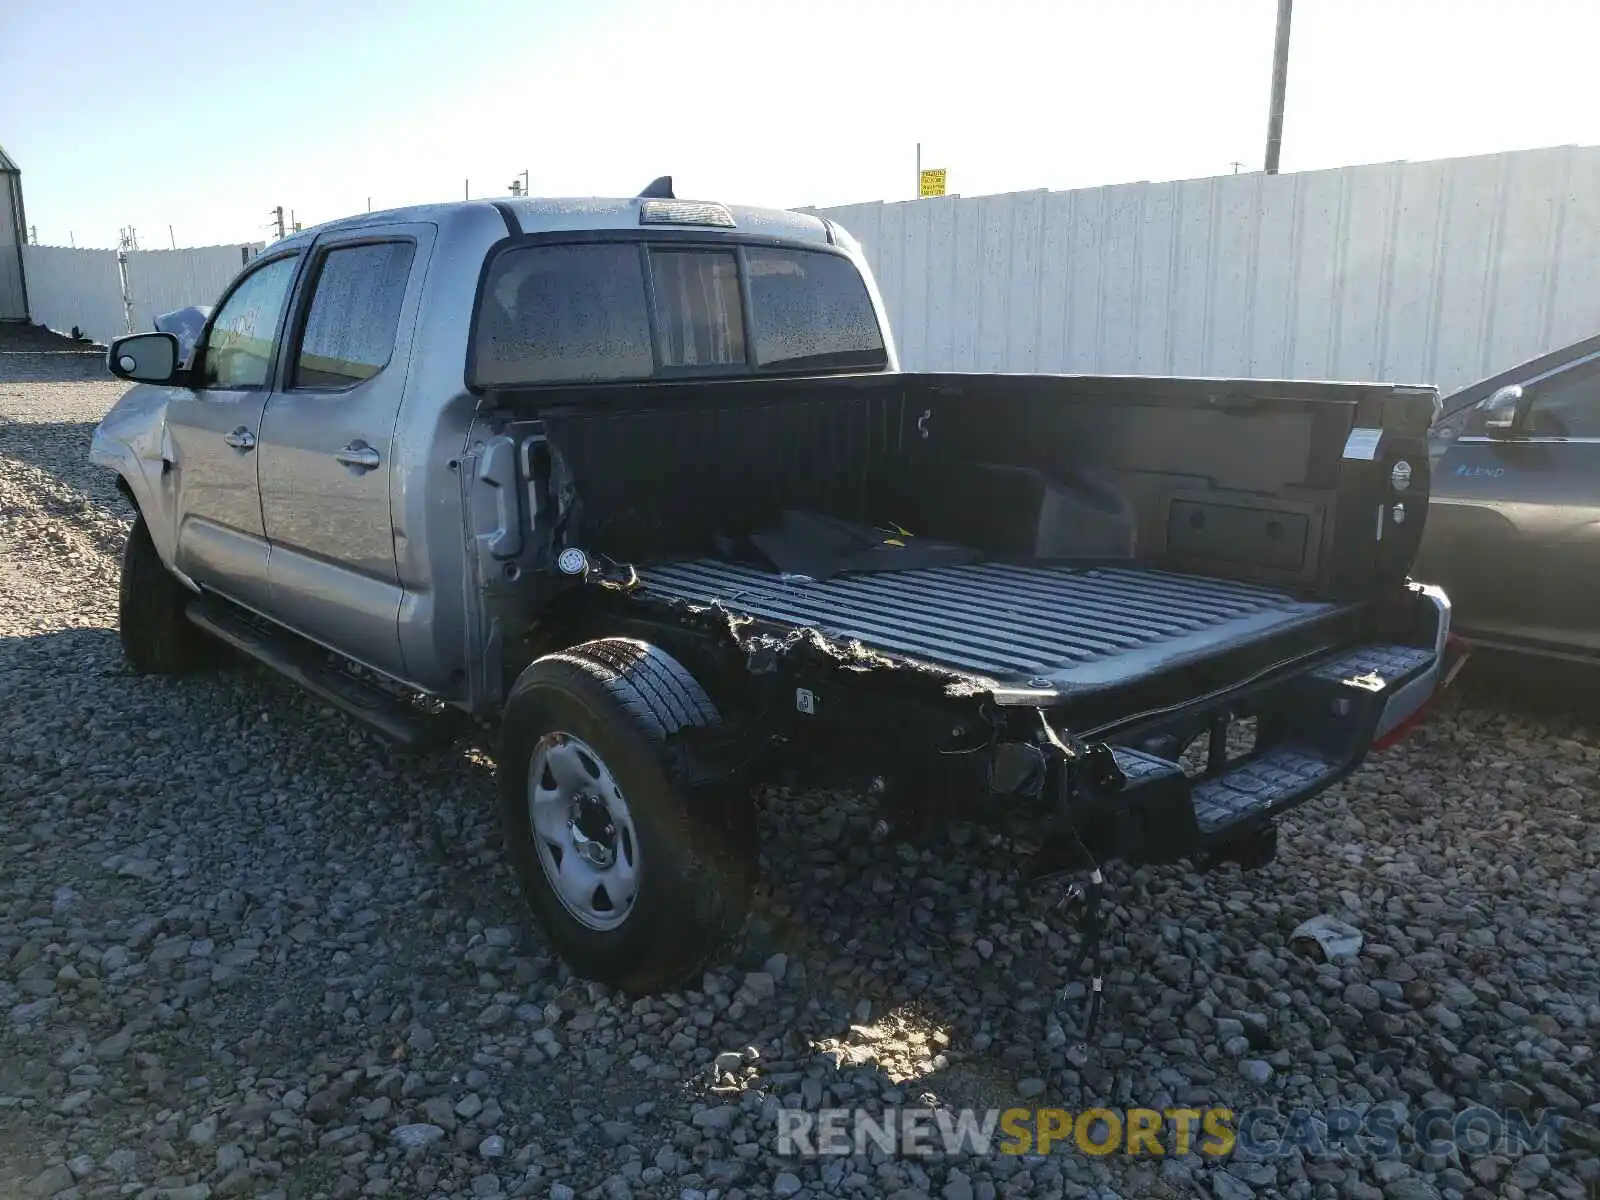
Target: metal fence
{"type": "Point", "coordinates": [1432, 272]}
{"type": "Point", "coordinates": [75, 289]}
{"type": "Point", "coordinates": [162, 280]}
{"type": "Point", "coordinates": [105, 293]}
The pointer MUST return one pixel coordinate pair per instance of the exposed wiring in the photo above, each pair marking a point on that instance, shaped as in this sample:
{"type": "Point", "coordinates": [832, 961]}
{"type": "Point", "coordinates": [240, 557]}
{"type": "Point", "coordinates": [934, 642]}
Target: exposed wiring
{"type": "Point", "coordinates": [1195, 701]}
{"type": "Point", "coordinates": [605, 572]}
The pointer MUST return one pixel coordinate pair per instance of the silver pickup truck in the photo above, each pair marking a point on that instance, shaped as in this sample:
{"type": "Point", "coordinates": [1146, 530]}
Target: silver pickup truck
{"type": "Point", "coordinates": [639, 479]}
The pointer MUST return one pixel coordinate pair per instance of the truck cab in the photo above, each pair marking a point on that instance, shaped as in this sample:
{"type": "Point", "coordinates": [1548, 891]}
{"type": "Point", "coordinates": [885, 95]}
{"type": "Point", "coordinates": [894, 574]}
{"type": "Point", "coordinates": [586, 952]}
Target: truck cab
{"type": "Point", "coordinates": [317, 401]}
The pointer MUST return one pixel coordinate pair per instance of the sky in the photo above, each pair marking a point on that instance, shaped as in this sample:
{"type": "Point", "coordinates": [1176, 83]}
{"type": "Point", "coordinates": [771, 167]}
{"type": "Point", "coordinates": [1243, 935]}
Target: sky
{"type": "Point", "coordinates": [203, 117]}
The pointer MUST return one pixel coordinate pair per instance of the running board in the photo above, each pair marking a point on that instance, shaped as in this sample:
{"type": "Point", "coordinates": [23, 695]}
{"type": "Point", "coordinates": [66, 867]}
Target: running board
{"type": "Point", "coordinates": [308, 665]}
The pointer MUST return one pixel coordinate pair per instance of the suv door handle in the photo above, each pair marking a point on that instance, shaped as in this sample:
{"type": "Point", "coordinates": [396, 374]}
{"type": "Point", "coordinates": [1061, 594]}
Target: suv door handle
{"type": "Point", "coordinates": [240, 439]}
{"type": "Point", "coordinates": [359, 455]}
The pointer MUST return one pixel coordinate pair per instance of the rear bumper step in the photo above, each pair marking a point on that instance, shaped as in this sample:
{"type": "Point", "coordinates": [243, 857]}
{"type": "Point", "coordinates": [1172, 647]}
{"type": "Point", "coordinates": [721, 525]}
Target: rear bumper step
{"type": "Point", "coordinates": [1260, 787]}
{"type": "Point", "coordinates": [1312, 731]}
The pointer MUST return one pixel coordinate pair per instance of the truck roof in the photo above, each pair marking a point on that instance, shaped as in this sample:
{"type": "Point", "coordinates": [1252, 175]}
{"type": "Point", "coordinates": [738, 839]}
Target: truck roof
{"type": "Point", "coordinates": [570, 215]}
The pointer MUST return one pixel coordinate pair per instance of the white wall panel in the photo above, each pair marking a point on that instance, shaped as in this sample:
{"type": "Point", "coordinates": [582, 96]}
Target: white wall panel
{"type": "Point", "coordinates": [84, 288]}
{"type": "Point", "coordinates": [1435, 272]}
{"type": "Point", "coordinates": [160, 281]}
{"type": "Point", "coordinates": [70, 288]}
{"type": "Point", "coordinates": [940, 286]}
{"type": "Point", "coordinates": [1577, 255]}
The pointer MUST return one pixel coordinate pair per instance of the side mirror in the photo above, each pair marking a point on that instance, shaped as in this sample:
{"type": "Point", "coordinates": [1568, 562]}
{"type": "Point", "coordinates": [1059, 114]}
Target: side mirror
{"type": "Point", "coordinates": [145, 358]}
{"type": "Point", "coordinates": [1504, 410]}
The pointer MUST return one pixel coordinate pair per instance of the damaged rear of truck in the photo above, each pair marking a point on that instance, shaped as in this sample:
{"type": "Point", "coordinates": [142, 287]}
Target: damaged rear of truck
{"type": "Point", "coordinates": [1147, 615]}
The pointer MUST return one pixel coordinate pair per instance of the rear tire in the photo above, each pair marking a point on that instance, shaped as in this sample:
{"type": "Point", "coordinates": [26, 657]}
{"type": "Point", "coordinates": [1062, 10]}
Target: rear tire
{"type": "Point", "coordinates": [638, 875]}
{"type": "Point", "coordinates": [157, 636]}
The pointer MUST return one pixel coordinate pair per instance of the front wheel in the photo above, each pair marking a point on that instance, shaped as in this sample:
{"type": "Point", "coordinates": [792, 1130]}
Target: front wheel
{"type": "Point", "coordinates": [638, 875]}
{"type": "Point", "coordinates": [157, 635]}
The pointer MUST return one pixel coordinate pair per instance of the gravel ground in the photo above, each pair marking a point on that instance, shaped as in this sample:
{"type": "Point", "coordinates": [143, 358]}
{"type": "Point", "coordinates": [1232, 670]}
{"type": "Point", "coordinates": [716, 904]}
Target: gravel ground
{"type": "Point", "coordinates": [246, 950]}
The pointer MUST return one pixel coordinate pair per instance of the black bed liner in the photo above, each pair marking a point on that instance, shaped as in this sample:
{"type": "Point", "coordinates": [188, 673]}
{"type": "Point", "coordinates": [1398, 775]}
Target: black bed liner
{"type": "Point", "coordinates": [1069, 628]}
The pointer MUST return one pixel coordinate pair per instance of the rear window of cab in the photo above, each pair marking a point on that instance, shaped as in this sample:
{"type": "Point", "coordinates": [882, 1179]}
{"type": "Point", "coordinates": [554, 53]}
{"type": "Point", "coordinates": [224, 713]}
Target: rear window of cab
{"type": "Point", "coordinates": [620, 311]}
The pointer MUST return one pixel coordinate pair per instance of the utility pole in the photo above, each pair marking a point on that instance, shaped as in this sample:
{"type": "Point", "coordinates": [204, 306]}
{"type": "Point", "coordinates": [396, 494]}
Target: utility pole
{"type": "Point", "coordinates": [1236, 164]}
{"type": "Point", "coordinates": [1280, 79]}
{"type": "Point", "coordinates": [917, 195]}
{"type": "Point", "coordinates": [172, 237]}
{"type": "Point", "coordinates": [277, 220]}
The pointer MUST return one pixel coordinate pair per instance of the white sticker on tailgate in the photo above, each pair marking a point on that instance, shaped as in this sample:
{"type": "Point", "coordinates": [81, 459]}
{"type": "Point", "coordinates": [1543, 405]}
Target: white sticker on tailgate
{"type": "Point", "coordinates": [1363, 443]}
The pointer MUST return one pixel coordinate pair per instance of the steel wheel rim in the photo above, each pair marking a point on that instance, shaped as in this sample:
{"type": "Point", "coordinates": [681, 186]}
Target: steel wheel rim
{"type": "Point", "coordinates": [583, 832]}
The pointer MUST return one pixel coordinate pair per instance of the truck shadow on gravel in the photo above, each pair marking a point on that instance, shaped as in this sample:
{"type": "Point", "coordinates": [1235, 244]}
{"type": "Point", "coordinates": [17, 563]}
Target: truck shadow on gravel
{"type": "Point", "coordinates": [60, 450]}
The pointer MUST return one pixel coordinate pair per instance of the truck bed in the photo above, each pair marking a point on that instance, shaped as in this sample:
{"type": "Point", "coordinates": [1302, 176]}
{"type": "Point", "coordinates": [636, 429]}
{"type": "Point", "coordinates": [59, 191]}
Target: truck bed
{"type": "Point", "coordinates": [1066, 627]}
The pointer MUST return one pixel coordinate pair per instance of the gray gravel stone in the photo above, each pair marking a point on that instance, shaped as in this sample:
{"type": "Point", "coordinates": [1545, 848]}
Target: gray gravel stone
{"type": "Point", "coordinates": [412, 1136]}
{"type": "Point", "coordinates": [1362, 996]}
{"type": "Point", "coordinates": [718, 1117]}
{"type": "Point", "coordinates": [1225, 1186]}
{"type": "Point", "coordinates": [52, 1180]}
{"type": "Point", "coordinates": [1257, 1071]}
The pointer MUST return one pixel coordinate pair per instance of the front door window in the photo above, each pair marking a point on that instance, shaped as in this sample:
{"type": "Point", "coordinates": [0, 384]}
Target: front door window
{"type": "Point", "coordinates": [239, 350]}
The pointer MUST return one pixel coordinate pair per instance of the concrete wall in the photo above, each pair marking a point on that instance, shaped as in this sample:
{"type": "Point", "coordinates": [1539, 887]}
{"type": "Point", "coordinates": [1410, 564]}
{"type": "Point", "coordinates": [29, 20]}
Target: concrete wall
{"type": "Point", "coordinates": [1435, 272]}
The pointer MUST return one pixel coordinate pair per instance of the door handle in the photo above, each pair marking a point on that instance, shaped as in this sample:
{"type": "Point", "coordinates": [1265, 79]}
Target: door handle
{"type": "Point", "coordinates": [240, 439]}
{"type": "Point", "coordinates": [359, 455]}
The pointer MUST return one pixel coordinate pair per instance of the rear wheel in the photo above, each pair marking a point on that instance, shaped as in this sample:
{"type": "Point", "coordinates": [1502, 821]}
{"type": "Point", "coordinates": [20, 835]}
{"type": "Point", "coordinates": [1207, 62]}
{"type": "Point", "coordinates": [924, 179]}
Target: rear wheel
{"type": "Point", "coordinates": [157, 636]}
{"type": "Point", "coordinates": [638, 875]}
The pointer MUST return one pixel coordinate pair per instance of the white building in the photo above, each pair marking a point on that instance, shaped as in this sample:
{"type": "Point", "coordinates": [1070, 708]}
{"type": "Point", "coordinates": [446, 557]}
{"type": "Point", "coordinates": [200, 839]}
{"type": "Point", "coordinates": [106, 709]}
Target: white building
{"type": "Point", "coordinates": [13, 234]}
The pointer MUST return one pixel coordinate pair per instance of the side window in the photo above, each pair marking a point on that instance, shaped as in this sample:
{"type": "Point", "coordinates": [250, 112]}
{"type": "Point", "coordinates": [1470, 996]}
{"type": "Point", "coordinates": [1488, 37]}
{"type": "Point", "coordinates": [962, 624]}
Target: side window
{"type": "Point", "coordinates": [1566, 405]}
{"type": "Point", "coordinates": [355, 311]}
{"type": "Point", "coordinates": [244, 334]}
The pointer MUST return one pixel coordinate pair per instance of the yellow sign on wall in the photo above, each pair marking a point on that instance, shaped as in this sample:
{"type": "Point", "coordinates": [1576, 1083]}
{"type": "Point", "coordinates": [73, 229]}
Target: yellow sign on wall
{"type": "Point", "coordinates": [931, 183]}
